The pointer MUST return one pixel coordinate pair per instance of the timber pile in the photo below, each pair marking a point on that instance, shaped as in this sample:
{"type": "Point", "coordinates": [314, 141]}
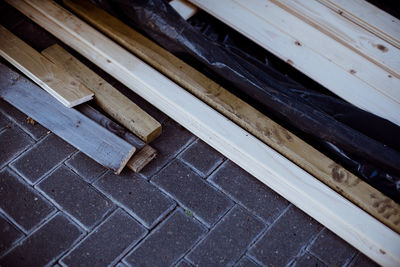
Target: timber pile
{"type": "Point", "coordinates": [363, 54]}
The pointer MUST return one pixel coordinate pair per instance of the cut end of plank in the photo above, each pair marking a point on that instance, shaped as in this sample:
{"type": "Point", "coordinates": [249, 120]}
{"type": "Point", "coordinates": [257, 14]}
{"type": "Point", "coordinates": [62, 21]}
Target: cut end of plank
{"type": "Point", "coordinates": [142, 158]}
{"type": "Point", "coordinates": [154, 134]}
{"type": "Point", "coordinates": [125, 161]}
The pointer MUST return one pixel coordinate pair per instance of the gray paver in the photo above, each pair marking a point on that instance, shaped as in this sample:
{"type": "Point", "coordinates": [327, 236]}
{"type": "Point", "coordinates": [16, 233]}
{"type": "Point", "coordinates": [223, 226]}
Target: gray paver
{"type": "Point", "coordinates": [167, 243]}
{"type": "Point", "coordinates": [183, 263]}
{"type": "Point", "coordinates": [107, 242]}
{"type": "Point", "coordinates": [21, 203]}
{"type": "Point", "coordinates": [201, 157]}
{"type": "Point", "coordinates": [363, 261]}
{"type": "Point", "coordinates": [13, 142]}
{"type": "Point", "coordinates": [246, 262]}
{"type": "Point", "coordinates": [8, 235]}
{"type": "Point", "coordinates": [87, 168]}
{"type": "Point", "coordinates": [42, 158]}
{"type": "Point", "coordinates": [308, 260]}
{"type": "Point", "coordinates": [46, 245]}
{"type": "Point", "coordinates": [228, 240]}
{"type": "Point", "coordinates": [285, 239]}
{"type": "Point", "coordinates": [4, 122]}
{"type": "Point", "coordinates": [246, 190]}
{"type": "Point", "coordinates": [76, 197]}
{"type": "Point", "coordinates": [135, 194]}
{"type": "Point", "coordinates": [192, 192]}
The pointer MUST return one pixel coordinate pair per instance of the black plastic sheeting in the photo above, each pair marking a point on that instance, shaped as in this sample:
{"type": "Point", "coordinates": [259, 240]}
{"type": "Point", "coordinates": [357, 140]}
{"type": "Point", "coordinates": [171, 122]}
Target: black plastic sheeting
{"type": "Point", "coordinates": [367, 145]}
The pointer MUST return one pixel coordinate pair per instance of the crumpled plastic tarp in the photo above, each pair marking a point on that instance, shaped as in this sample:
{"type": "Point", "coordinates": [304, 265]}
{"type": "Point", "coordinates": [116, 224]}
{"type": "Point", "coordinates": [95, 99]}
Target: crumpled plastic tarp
{"type": "Point", "coordinates": [366, 144]}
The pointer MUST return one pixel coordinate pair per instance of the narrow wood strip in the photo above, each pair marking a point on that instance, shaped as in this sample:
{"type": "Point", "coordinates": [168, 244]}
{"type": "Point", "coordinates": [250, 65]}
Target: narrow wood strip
{"type": "Point", "coordinates": [145, 152]}
{"type": "Point", "coordinates": [347, 74]}
{"type": "Point", "coordinates": [371, 18]}
{"type": "Point", "coordinates": [184, 8]}
{"type": "Point", "coordinates": [93, 140]}
{"type": "Point", "coordinates": [244, 115]}
{"type": "Point", "coordinates": [118, 106]}
{"type": "Point", "coordinates": [313, 197]}
{"type": "Point", "coordinates": [48, 76]}
{"type": "Point", "coordinates": [344, 31]}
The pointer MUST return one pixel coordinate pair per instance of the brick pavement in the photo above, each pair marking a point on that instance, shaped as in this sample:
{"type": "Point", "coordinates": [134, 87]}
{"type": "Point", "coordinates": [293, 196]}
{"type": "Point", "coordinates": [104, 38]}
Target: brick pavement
{"type": "Point", "coordinates": [190, 206]}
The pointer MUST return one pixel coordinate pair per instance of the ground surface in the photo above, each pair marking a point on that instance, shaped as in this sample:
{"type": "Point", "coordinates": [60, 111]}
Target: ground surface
{"type": "Point", "coordinates": [190, 206]}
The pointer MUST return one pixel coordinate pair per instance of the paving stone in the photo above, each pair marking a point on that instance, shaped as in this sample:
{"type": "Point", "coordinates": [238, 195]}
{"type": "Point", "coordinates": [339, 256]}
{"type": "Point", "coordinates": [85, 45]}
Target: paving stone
{"type": "Point", "coordinates": [45, 245]}
{"type": "Point", "coordinates": [75, 197]}
{"type": "Point", "coordinates": [87, 168]}
{"type": "Point", "coordinates": [201, 157]}
{"type": "Point", "coordinates": [308, 260]}
{"type": "Point", "coordinates": [183, 263]}
{"type": "Point", "coordinates": [246, 262]}
{"type": "Point", "coordinates": [4, 122]}
{"type": "Point", "coordinates": [192, 192]}
{"type": "Point", "coordinates": [121, 264]}
{"type": "Point", "coordinates": [13, 142]}
{"type": "Point", "coordinates": [135, 194]}
{"type": "Point", "coordinates": [167, 243]}
{"type": "Point", "coordinates": [42, 158]}
{"type": "Point", "coordinates": [9, 16]}
{"type": "Point", "coordinates": [21, 203]}
{"type": "Point", "coordinates": [173, 139]}
{"type": "Point", "coordinates": [228, 240]}
{"type": "Point", "coordinates": [8, 235]}
{"type": "Point", "coordinates": [34, 35]}
{"type": "Point", "coordinates": [35, 130]}
{"type": "Point", "coordinates": [107, 242]}
{"type": "Point", "coordinates": [363, 261]}
{"type": "Point", "coordinates": [331, 249]}
{"type": "Point", "coordinates": [246, 190]}
{"type": "Point", "coordinates": [285, 238]}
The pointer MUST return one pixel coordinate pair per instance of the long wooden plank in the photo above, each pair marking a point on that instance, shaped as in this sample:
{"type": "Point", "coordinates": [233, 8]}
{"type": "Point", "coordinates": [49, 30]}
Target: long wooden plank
{"type": "Point", "coordinates": [335, 212]}
{"type": "Point", "coordinates": [184, 8]}
{"type": "Point", "coordinates": [369, 17]}
{"type": "Point", "coordinates": [48, 76]}
{"type": "Point", "coordinates": [243, 114]}
{"type": "Point", "coordinates": [347, 74]}
{"type": "Point", "coordinates": [344, 31]}
{"type": "Point", "coordinates": [118, 106]}
{"type": "Point", "coordinates": [145, 152]}
{"type": "Point", "coordinates": [93, 140]}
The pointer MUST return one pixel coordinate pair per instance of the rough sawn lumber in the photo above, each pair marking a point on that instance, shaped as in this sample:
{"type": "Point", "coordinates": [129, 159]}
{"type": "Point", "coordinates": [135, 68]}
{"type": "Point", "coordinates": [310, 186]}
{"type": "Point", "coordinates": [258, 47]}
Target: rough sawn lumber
{"type": "Point", "coordinates": [283, 141]}
{"type": "Point", "coordinates": [118, 106]}
{"type": "Point", "coordinates": [84, 134]}
{"type": "Point", "coordinates": [316, 199]}
{"type": "Point", "coordinates": [47, 75]}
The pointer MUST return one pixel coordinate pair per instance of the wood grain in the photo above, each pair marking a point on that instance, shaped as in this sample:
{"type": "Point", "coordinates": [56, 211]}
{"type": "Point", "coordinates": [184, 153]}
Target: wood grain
{"type": "Point", "coordinates": [54, 80]}
{"type": "Point", "coordinates": [244, 115]}
{"type": "Point", "coordinates": [118, 106]}
{"type": "Point", "coordinates": [84, 134]}
{"type": "Point", "coordinates": [316, 199]}
{"type": "Point", "coordinates": [333, 65]}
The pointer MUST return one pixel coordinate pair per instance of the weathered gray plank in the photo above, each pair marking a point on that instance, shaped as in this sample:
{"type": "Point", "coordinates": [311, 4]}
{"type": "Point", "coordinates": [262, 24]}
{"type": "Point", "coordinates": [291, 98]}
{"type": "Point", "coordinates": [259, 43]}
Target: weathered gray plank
{"type": "Point", "coordinates": [86, 135]}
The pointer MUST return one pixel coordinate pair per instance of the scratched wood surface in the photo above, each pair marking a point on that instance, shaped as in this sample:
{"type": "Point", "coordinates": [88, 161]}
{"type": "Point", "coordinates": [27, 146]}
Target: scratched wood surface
{"type": "Point", "coordinates": [118, 106]}
{"type": "Point", "coordinates": [283, 141]}
{"type": "Point", "coordinates": [93, 140]}
{"type": "Point", "coordinates": [51, 78]}
{"type": "Point", "coordinates": [316, 199]}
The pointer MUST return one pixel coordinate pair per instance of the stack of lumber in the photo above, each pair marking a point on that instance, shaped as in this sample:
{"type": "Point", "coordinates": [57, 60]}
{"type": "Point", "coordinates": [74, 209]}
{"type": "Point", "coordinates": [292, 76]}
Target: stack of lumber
{"type": "Point", "coordinates": [352, 209]}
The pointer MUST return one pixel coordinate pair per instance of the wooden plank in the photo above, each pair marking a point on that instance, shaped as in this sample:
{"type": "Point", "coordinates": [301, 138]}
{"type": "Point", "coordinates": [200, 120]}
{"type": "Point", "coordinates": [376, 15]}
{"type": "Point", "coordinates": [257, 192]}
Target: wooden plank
{"type": "Point", "coordinates": [93, 140]}
{"type": "Point", "coordinates": [371, 18]}
{"type": "Point", "coordinates": [48, 76]}
{"type": "Point", "coordinates": [243, 114]}
{"type": "Point", "coordinates": [184, 8]}
{"type": "Point", "coordinates": [118, 106]}
{"type": "Point", "coordinates": [344, 31]}
{"type": "Point", "coordinates": [329, 208]}
{"type": "Point", "coordinates": [340, 70]}
{"type": "Point", "coordinates": [140, 159]}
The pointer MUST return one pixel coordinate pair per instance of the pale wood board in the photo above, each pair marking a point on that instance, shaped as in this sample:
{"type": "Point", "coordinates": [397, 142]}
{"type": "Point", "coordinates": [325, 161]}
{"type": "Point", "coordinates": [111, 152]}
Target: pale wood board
{"type": "Point", "coordinates": [84, 134]}
{"type": "Point", "coordinates": [289, 145]}
{"type": "Point", "coordinates": [48, 76]}
{"type": "Point", "coordinates": [118, 106]}
{"type": "Point", "coordinates": [322, 203]}
{"type": "Point", "coordinates": [145, 152]}
{"type": "Point", "coordinates": [356, 79]}
{"type": "Point", "coordinates": [184, 8]}
{"type": "Point", "coordinates": [346, 32]}
{"type": "Point", "coordinates": [369, 17]}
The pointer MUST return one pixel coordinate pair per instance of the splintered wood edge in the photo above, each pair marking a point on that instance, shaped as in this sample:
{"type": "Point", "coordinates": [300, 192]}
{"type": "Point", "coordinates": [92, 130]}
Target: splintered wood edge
{"type": "Point", "coordinates": [142, 158]}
